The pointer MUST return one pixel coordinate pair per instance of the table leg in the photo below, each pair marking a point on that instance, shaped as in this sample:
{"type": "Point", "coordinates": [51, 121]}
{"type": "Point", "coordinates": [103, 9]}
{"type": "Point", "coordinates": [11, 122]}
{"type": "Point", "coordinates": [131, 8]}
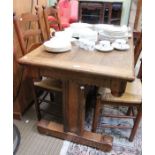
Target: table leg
{"type": "Point", "coordinates": [118, 87]}
{"type": "Point", "coordinates": [74, 115]}
{"type": "Point", "coordinates": [73, 107]}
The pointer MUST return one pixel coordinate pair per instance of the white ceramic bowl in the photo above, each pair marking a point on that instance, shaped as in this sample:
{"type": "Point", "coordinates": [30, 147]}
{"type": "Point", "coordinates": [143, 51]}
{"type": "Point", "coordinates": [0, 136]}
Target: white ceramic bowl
{"type": "Point", "coordinates": [57, 44]}
{"type": "Point", "coordinates": [66, 35]}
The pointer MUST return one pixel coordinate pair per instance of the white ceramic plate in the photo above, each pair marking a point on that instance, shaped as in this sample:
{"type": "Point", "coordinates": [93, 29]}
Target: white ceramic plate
{"type": "Point", "coordinates": [80, 25]}
{"type": "Point", "coordinates": [116, 29]}
{"type": "Point", "coordinates": [112, 35]}
{"type": "Point", "coordinates": [53, 50]}
{"type": "Point", "coordinates": [57, 46]}
{"type": "Point", "coordinates": [103, 49]}
{"type": "Point", "coordinates": [121, 47]}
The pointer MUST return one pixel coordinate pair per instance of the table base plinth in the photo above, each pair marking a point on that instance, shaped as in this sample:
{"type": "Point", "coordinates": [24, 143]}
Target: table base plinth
{"type": "Point", "coordinates": [101, 142]}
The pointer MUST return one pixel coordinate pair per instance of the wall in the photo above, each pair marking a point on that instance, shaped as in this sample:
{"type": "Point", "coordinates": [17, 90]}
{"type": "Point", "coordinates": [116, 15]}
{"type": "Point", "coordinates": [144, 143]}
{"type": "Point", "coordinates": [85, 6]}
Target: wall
{"type": "Point", "coordinates": [126, 11]}
{"type": "Point", "coordinates": [21, 6]}
{"type": "Point", "coordinates": [51, 2]}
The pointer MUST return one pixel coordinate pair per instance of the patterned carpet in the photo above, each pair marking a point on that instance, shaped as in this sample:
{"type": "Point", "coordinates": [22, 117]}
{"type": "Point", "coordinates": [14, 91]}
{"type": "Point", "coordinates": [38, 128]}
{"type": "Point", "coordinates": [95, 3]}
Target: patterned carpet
{"type": "Point", "coordinates": [121, 145]}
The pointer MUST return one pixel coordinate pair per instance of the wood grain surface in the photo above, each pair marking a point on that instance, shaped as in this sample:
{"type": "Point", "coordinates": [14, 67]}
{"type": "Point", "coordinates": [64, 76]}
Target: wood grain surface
{"type": "Point", "coordinates": [117, 64]}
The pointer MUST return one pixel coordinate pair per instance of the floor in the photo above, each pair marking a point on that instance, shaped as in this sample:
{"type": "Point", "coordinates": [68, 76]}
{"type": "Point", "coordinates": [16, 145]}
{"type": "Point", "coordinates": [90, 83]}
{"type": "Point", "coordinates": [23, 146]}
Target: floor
{"type": "Point", "coordinates": [33, 143]}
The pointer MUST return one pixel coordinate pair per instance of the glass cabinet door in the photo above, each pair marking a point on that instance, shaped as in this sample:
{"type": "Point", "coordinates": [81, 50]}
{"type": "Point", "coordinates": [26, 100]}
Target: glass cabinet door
{"type": "Point", "coordinates": [116, 13]}
{"type": "Point", "coordinates": [103, 12]}
{"type": "Point", "coordinates": [91, 12]}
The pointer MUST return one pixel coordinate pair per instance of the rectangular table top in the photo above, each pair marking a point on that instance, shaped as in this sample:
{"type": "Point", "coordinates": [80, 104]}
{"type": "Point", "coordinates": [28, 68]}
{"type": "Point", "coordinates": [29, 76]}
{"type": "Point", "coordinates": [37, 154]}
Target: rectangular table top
{"type": "Point", "coordinates": [117, 64]}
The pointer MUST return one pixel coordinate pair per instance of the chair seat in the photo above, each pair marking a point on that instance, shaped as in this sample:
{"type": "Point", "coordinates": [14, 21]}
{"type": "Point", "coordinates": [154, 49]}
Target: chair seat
{"type": "Point", "coordinates": [133, 93]}
{"type": "Point", "coordinates": [49, 84]}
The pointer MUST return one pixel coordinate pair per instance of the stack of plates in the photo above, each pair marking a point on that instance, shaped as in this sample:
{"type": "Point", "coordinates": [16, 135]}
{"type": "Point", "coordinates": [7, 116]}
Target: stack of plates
{"type": "Point", "coordinates": [85, 33]}
{"type": "Point", "coordinates": [57, 45]}
{"type": "Point", "coordinates": [65, 35]}
{"type": "Point", "coordinates": [88, 34]}
{"type": "Point", "coordinates": [80, 25]}
{"type": "Point", "coordinates": [83, 30]}
{"type": "Point", "coordinates": [100, 27]}
{"type": "Point", "coordinates": [111, 33]}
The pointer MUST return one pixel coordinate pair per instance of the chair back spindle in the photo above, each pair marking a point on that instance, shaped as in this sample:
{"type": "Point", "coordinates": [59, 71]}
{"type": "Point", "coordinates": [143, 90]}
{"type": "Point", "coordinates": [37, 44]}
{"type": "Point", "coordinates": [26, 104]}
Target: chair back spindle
{"type": "Point", "coordinates": [51, 12]}
{"type": "Point", "coordinates": [138, 48]}
{"type": "Point", "coordinates": [29, 31]}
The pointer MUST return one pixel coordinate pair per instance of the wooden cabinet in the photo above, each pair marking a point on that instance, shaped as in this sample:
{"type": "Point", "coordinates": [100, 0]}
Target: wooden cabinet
{"type": "Point", "coordinates": [91, 12]}
{"type": "Point", "coordinates": [100, 12]}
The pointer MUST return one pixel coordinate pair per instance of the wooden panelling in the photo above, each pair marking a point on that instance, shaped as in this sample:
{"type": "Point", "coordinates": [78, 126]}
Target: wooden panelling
{"type": "Point", "coordinates": [22, 6]}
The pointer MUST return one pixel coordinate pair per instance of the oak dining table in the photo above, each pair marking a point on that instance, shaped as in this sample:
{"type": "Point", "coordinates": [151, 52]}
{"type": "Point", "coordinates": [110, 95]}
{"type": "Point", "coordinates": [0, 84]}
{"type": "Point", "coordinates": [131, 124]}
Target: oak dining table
{"type": "Point", "coordinates": [78, 68]}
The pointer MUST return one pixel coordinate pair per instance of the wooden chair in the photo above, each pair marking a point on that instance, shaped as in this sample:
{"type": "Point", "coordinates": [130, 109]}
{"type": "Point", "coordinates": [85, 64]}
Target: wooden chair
{"type": "Point", "coordinates": [51, 19]}
{"type": "Point", "coordinates": [28, 27]}
{"type": "Point", "coordinates": [138, 13]}
{"type": "Point", "coordinates": [138, 45]}
{"type": "Point", "coordinates": [24, 31]}
{"type": "Point", "coordinates": [137, 21]}
{"type": "Point", "coordinates": [132, 98]}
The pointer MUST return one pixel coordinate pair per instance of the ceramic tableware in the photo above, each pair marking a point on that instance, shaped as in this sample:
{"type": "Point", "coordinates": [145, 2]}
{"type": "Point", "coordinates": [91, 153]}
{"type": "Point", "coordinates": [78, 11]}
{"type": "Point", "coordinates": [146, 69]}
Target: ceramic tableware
{"type": "Point", "coordinates": [121, 47]}
{"type": "Point", "coordinates": [57, 45]}
{"type": "Point", "coordinates": [105, 48]}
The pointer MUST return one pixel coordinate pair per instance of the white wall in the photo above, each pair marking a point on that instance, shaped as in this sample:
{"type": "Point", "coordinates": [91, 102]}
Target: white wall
{"type": "Point", "coordinates": [51, 2]}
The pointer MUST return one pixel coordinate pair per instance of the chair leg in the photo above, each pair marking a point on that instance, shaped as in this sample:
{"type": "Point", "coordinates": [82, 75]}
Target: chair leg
{"type": "Point", "coordinates": [136, 124]}
{"type": "Point", "coordinates": [36, 103]}
{"type": "Point", "coordinates": [52, 97]}
{"type": "Point", "coordinates": [96, 114]}
{"type": "Point", "coordinates": [129, 112]}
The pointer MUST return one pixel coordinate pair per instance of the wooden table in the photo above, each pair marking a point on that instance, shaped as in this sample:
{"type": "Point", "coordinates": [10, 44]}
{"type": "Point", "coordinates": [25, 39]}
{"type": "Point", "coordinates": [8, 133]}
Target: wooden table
{"type": "Point", "coordinates": [77, 68]}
